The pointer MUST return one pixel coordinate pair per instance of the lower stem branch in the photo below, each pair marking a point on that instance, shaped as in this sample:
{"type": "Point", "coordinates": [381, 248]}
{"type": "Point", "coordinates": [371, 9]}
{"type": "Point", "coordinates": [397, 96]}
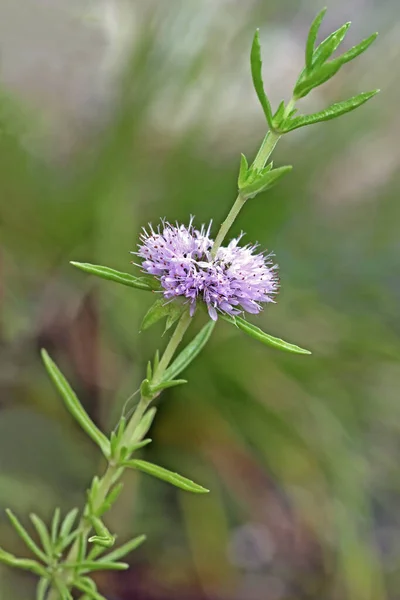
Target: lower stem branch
{"type": "Point", "coordinates": [113, 471]}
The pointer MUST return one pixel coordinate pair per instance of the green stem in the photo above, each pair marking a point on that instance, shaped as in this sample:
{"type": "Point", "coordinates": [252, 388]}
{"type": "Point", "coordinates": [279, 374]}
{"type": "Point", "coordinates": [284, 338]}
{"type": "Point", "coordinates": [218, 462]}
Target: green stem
{"type": "Point", "coordinates": [113, 471]}
{"type": "Point", "coordinates": [267, 147]}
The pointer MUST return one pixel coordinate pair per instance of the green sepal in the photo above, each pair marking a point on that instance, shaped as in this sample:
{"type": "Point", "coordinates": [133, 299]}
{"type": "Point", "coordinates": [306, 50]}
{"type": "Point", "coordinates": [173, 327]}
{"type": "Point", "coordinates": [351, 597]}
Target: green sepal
{"type": "Point", "coordinates": [22, 563]}
{"type": "Point", "coordinates": [140, 283]}
{"type": "Point", "coordinates": [256, 72]}
{"type": "Point", "coordinates": [124, 549]}
{"type": "Point", "coordinates": [167, 384]}
{"type": "Point", "coordinates": [312, 36]}
{"type": "Point", "coordinates": [74, 406]}
{"type": "Point", "coordinates": [333, 111]}
{"type": "Point", "coordinates": [42, 588]}
{"type": "Point", "coordinates": [20, 529]}
{"type": "Point", "coordinates": [329, 45]}
{"type": "Point", "coordinates": [265, 338]}
{"type": "Point", "coordinates": [263, 181]}
{"type": "Point", "coordinates": [189, 353]}
{"type": "Point", "coordinates": [177, 480]}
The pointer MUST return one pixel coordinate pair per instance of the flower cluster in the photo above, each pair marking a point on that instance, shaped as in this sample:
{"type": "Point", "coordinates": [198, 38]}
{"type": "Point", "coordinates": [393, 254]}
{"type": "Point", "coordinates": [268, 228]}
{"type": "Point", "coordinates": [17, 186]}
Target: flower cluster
{"type": "Point", "coordinates": [237, 279]}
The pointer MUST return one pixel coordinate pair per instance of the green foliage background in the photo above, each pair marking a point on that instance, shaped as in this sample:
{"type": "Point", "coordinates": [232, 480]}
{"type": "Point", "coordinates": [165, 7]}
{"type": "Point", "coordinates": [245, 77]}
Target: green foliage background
{"type": "Point", "coordinates": [301, 453]}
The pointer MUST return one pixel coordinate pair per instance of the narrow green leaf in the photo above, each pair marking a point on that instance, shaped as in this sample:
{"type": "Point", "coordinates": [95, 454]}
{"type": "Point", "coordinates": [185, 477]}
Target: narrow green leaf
{"type": "Point", "coordinates": [22, 563]}
{"type": "Point", "coordinates": [265, 338]}
{"type": "Point", "coordinates": [63, 590]}
{"type": "Point", "coordinates": [312, 36]}
{"type": "Point", "coordinates": [356, 50]}
{"type": "Point", "coordinates": [86, 566]}
{"type": "Point", "coordinates": [265, 181]}
{"type": "Point", "coordinates": [83, 586]}
{"type": "Point", "coordinates": [43, 534]}
{"type": "Point", "coordinates": [25, 536]}
{"type": "Point", "coordinates": [82, 547]}
{"type": "Point", "coordinates": [55, 523]}
{"type": "Point", "coordinates": [278, 116]}
{"type": "Point", "coordinates": [67, 540]}
{"type": "Point", "coordinates": [42, 588]}
{"type": "Point", "coordinates": [124, 549]}
{"type": "Point", "coordinates": [68, 522]}
{"type": "Point", "coordinates": [139, 445]}
{"type": "Point", "coordinates": [74, 406]}
{"type": "Point", "coordinates": [181, 482]}
{"type": "Point", "coordinates": [256, 72]}
{"type": "Point", "coordinates": [244, 167]}
{"type": "Point", "coordinates": [149, 371]}
{"type": "Point", "coordinates": [333, 111]}
{"type": "Point", "coordinates": [189, 353]}
{"type": "Point", "coordinates": [304, 85]}
{"type": "Point", "coordinates": [329, 45]}
{"type": "Point", "coordinates": [141, 283]}
{"type": "Point", "coordinates": [156, 312]}
{"type": "Point", "coordinates": [110, 499]}
{"type": "Point", "coordinates": [145, 423]}
{"type": "Point", "coordinates": [167, 384]}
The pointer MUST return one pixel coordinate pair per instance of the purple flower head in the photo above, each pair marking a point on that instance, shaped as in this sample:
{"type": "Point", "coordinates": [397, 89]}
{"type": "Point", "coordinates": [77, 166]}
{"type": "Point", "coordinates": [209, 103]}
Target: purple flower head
{"type": "Point", "coordinates": [238, 279]}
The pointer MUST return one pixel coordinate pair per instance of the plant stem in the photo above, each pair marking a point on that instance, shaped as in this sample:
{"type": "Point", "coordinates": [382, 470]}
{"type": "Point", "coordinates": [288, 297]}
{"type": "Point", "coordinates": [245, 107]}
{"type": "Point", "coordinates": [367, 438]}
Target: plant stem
{"type": "Point", "coordinates": [114, 471]}
{"type": "Point", "coordinates": [267, 147]}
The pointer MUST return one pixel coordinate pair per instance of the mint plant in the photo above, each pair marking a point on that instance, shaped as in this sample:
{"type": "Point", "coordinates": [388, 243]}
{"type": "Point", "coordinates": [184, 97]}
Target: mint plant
{"type": "Point", "coordinates": [190, 273]}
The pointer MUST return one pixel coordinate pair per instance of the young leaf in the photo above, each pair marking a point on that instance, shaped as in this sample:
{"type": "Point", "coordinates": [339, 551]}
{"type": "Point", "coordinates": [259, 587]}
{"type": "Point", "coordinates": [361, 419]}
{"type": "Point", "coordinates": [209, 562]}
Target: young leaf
{"type": "Point", "coordinates": [141, 283]}
{"type": "Point", "coordinates": [265, 338]}
{"type": "Point", "coordinates": [145, 423]}
{"type": "Point", "coordinates": [110, 499]}
{"type": "Point", "coordinates": [124, 549]}
{"type": "Point", "coordinates": [277, 118]}
{"type": "Point", "coordinates": [101, 540]}
{"type": "Point", "coordinates": [68, 522]}
{"type": "Point", "coordinates": [189, 353]}
{"type": "Point", "coordinates": [74, 406]}
{"type": "Point", "coordinates": [167, 384]}
{"type": "Point", "coordinates": [26, 537]}
{"type": "Point", "coordinates": [304, 85]}
{"type": "Point", "coordinates": [165, 475]}
{"type": "Point", "coordinates": [244, 167]}
{"type": "Point", "coordinates": [256, 72]}
{"type": "Point", "coordinates": [42, 588]}
{"type": "Point", "coordinates": [265, 181]}
{"type": "Point", "coordinates": [333, 111]}
{"type": "Point", "coordinates": [312, 36]}
{"type": "Point", "coordinates": [43, 534]}
{"type": "Point", "coordinates": [139, 445]}
{"type": "Point", "coordinates": [55, 523]}
{"type": "Point", "coordinates": [329, 45]}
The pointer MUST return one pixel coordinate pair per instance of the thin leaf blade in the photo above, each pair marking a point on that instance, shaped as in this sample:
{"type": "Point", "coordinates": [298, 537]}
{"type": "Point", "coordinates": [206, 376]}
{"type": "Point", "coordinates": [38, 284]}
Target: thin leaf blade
{"type": "Point", "coordinates": [169, 476]}
{"type": "Point", "coordinates": [256, 72]}
{"type": "Point", "coordinates": [312, 36]}
{"type": "Point", "coordinates": [265, 338]}
{"type": "Point", "coordinates": [22, 532]}
{"type": "Point", "coordinates": [140, 283]}
{"type": "Point", "coordinates": [123, 550]}
{"type": "Point", "coordinates": [73, 405]}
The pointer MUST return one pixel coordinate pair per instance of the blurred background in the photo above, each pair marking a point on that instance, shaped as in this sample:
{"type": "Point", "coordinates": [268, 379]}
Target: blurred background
{"type": "Point", "coordinates": [114, 113]}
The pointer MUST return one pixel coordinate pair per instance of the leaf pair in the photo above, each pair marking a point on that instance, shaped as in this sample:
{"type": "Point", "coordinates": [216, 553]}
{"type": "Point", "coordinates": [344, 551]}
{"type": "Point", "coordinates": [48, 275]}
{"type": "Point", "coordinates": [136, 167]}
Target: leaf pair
{"type": "Point", "coordinates": [254, 181]}
{"type": "Point", "coordinates": [317, 70]}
